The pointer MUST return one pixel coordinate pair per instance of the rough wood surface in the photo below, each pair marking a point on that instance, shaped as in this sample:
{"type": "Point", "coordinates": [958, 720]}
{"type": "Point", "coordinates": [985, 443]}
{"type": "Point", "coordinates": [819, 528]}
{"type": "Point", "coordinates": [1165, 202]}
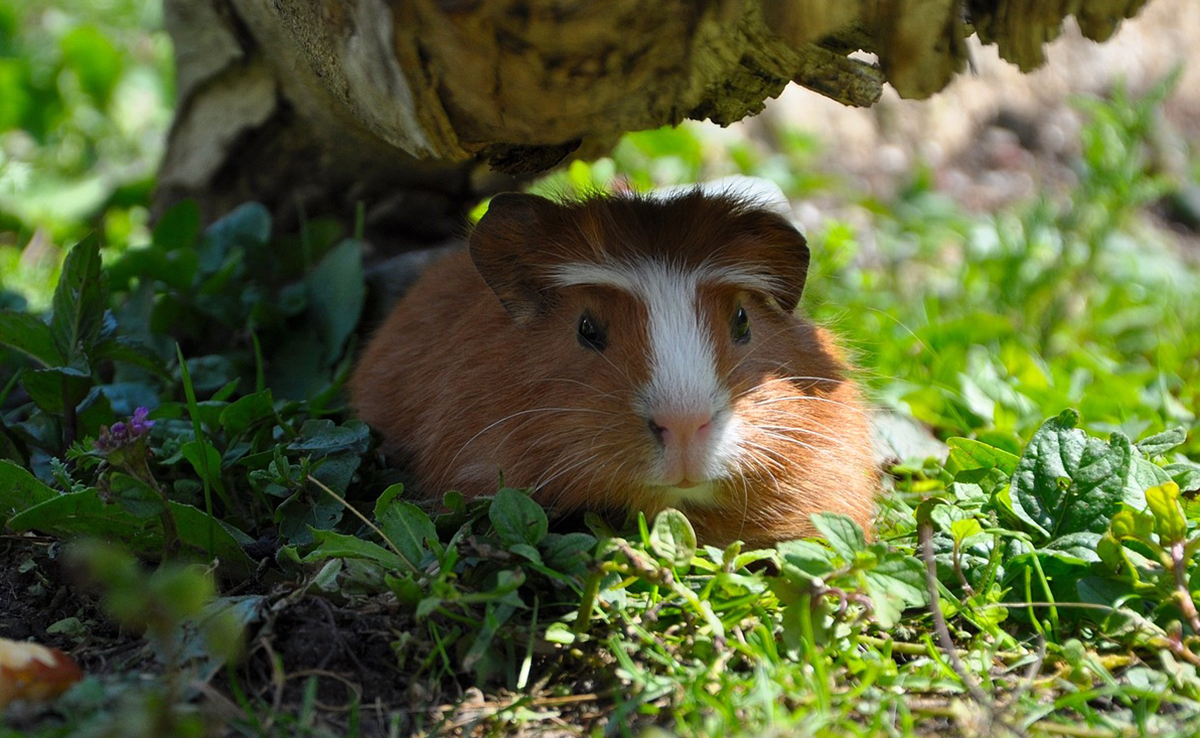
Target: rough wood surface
{"type": "Point", "coordinates": [413, 106]}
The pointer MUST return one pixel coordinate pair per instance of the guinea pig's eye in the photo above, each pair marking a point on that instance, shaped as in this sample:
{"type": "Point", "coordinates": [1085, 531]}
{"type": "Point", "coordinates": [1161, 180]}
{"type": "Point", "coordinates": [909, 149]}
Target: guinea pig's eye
{"type": "Point", "coordinates": [589, 333]}
{"type": "Point", "coordinates": [741, 326]}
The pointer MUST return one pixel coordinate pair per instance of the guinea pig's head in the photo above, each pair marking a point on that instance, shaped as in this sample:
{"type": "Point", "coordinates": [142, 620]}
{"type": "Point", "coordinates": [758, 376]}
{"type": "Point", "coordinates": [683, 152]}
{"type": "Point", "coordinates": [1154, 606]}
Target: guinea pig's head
{"type": "Point", "coordinates": [654, 334]}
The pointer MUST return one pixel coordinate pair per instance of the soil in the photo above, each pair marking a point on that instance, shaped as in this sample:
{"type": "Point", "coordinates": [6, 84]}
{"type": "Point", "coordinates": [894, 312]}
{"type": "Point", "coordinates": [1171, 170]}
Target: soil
{"type": "Point", "coordinates": [34, 596]}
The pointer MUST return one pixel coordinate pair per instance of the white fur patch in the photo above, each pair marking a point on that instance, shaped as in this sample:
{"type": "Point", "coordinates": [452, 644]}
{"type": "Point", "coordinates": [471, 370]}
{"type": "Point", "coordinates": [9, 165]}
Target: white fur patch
{"type": "Point", "coordinates": [683, 370]}
{"type": "Point", "coordinates": [636, 276]}
{"type": "Point", "coordinates": [762, 192]}
{"type": "Point", "coordinates": [703, 495]}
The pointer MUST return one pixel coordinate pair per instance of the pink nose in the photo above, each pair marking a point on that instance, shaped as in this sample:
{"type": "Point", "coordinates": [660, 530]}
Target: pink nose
{"type": "Point", "coordinates": [681, 430]}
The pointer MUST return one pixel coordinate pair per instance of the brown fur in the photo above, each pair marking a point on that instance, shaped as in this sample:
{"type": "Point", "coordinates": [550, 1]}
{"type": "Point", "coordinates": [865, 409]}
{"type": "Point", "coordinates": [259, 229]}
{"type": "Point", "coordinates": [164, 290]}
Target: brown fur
{"type": "Point", "coordinates": [465, 387]}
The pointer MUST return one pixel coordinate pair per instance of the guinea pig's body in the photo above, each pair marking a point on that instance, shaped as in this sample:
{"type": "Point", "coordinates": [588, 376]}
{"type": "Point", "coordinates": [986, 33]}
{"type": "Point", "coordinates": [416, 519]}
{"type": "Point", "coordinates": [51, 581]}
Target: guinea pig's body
{"type": "Point", "coordinates": [624, 354]}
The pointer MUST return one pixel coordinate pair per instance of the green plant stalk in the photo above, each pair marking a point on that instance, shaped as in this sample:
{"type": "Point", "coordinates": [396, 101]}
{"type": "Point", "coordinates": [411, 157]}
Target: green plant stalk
{"type": "Point", "coordinates": [591, 589]}
{"type": "Point", "coordinates": [171, 540]}
{"type": "Point", "coordinates": [527, 661]}
{"type": "Point", "coordinates": [958, 572]}
{"type": "Point", "coordinates": [8, 386]}
{"type": "Point", "coordinates": [69, 419]}
{"type": "Point", "coordinates": [260, 376]}
{"type": "Point", "coordinates": [1029, 604]}
{"type": "Point", "coordinates": [815, 657]}
{"type": "Point", "coordinates": [375, 528]}
{"type": "Point", "coordinates": [1037, 565]}
{"type": "Point", "coordinates": [194, 412]}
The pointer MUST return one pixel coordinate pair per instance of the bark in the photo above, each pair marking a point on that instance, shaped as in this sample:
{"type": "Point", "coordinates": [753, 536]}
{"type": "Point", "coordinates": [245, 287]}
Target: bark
{"type": "Point", "coordinates": [418, 107]}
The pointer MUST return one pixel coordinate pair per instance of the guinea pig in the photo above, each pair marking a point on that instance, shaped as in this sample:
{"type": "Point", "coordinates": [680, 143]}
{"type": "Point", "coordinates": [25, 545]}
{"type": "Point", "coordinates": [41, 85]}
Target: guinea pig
{"type": "Point", "coordinates": [622, 354]}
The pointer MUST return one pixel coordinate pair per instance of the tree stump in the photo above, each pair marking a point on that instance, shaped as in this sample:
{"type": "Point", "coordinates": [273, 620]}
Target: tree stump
{"type": "Point", "coordinates": [416, 108]}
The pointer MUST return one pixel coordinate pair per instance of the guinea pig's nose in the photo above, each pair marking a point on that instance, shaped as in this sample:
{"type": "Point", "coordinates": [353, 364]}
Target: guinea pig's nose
{"type": "Point", "coordinates": [680, 429]}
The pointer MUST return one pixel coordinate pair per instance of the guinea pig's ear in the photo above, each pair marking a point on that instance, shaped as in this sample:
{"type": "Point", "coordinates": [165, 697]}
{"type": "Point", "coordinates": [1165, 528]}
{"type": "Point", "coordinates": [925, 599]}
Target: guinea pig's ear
{"type": "Point", "coordinates": [504, 248]}
{"type": "Point", "coordinates": [783, 250]}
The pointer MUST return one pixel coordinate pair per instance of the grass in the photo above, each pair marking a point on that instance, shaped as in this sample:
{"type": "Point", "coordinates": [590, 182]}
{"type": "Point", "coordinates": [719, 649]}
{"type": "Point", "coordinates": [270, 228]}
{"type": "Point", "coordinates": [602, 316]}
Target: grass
{"type": "Point", "coordinates": [1033, 577]}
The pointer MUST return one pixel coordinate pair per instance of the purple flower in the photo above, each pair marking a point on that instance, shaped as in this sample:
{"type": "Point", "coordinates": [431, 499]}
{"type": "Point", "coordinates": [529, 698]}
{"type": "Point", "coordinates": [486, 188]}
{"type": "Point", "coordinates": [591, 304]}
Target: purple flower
{"type": "Point", "coordinates": [121, 435]}
{"type": "Point", "coordinates": [138, 424]}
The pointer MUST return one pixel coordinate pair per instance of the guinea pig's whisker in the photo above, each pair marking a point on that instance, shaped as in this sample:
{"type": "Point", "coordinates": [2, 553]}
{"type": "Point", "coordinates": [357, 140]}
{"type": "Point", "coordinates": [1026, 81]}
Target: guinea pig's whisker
{"type": "Point", "coordinates": [518, 414]}
{"type": "Point", "coordinates": [565, 467]}
{"type": "Point", "coordinates": [595, 390]}
{"type": "Point", "coordinates": [561, 439]}
{"type": "Point", "coordinates": [539, 441]}
{"type": "Point", "coordinates": [795, 442]}
{"type": "Point", "coordinates": [767, 456]}
{"type": "Point", "coordinates": [801, 378]}
{"type": "Point", "coordinates": [806, 398]}
{"type": "Point", "coordinates": [796, 429]}
{"type": "Point", "coordinates": [760, 342]}
{"type": "Point", "coordinates": [569, 462]}
{"type": "Point", "coordinates": [805, 424]}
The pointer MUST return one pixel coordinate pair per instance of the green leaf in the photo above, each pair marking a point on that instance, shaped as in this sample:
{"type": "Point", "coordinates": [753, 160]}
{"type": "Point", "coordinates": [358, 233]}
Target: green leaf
{"type": "Point", "coordinates": [129, 351]}
{"type": "Point", "coordinates": [1169, 520]}
{"type": "Point", "coordinates": [336, 470]}
{"type": "Point", "coordinates": [240, 415]}
{"type": "Point", "coordinates": [525, 551]}
{"type": "Point", "coordinates": [407, 527]}
{"type": "Point", "coordinates": [964, 529]}
{"type": "Point", "coordinates": [20, 490]}
{"type": "Point", "coordinates": [560, 633]}
{"type": "Point", "coordinates": [1067, 482]}
{"type": "Point", "coordinates": [95, 60]}
{"type": "Point", "coordinates": [299, 515]}
{"type": "Point", "coordinates": [494, 616]}
{"type": "Point", "coordinates": [246, 227]}
{"type": "Point", "coordinates": [1185, 474]}
{"type": "Point", "coordinates": [804, 561]}
{"type": "Point", "coordinates": [324, 437]}
{"type": "Point", "coordinates": [331, 545]}
{"type": "Point", "coordinates": [896, 583]}
{"type": "Point", "coordinates": [1143, 475]}
{"type": "Point", "coordinates": [85, 514]}
{"type": "Point", "coordinates": [1079, 546]}
{"type": "Point", "coordinates": [966, 453]}
{"type": "Point", "coordinates": [53, 390]}
{"type": "Point", "coordinates": [385, 499]}
{"type": "Point", "coordinates": [29, 335]}
{"type": "Point", "coordinates": [1161, 443]}
{"type": "Point", "coordinates": [408, 591]}
{"type": "Point", "coordinates": [567, 552]}
{"type": "Point", "coordinates": [135, 496]}
{"type": "Point", "coordinates": [673, 539]}
{"type": "Point", "coordinates": [178, 228]}
{"type": "Point", "coordinates": [337, 291]}
{"type": "Point", "coordinates": [1132, 524]}
{"type": "Point", "coordinates": [517, 518]}
{"type": "Point", "coordinates": [79, 301]}
{"type": "Point", "coordinates": [843, 534]}
{"type": "Point", "coordinates": [195, 452]}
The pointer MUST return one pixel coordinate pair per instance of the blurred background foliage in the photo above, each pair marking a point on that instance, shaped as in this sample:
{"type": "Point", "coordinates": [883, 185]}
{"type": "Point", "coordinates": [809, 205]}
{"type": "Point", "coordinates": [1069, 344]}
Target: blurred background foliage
{"type": "Point", "coordinates": [86, 92]}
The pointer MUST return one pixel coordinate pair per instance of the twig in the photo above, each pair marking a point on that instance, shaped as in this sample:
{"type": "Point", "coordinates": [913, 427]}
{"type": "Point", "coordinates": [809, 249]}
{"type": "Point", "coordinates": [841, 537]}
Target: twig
{"type": "Point", "coordinates": [354, 511]}
{"type": "Point", "coordinates": [962, 579]}
{"type": "Point", "coordinates": [69, 418]}
{"type": "Point", "coordinates": [925, 532]}
{"type": "Point", "coordinates": [1183, 594]}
